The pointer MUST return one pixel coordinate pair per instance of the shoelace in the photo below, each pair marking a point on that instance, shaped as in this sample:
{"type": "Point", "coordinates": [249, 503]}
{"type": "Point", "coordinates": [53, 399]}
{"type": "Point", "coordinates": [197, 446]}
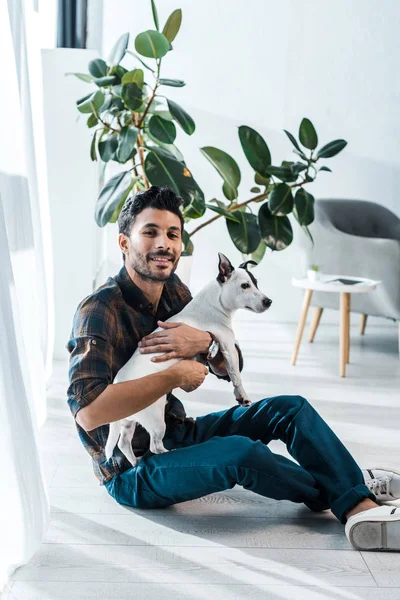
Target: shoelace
{"type": "Point", "coordinates": [378, 486]}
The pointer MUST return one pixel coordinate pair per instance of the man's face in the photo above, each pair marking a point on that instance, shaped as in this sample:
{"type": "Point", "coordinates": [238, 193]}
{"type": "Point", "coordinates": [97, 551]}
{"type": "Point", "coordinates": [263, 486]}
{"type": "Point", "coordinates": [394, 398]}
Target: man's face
{"type": "Point", "coordinates": [155, 244]}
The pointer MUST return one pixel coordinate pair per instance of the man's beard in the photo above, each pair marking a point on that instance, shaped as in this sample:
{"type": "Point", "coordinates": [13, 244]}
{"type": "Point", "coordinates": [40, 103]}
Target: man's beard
{"type": "Point", "coordinates": [142, 265]}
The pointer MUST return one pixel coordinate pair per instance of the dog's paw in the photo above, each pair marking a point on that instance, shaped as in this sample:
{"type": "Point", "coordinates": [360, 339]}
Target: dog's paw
{"type": "Point", "coordinates": [244, 401]}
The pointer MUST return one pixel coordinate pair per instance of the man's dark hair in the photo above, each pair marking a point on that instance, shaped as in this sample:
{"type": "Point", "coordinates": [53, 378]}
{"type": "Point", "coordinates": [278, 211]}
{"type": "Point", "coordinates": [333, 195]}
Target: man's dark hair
{"type": "Point", "coordinates": [162, 198]}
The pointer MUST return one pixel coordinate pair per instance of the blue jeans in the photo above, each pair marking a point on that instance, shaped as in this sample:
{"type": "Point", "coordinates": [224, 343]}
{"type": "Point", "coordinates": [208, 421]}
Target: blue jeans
{"type": "Point", "coordinates": [229, 447]}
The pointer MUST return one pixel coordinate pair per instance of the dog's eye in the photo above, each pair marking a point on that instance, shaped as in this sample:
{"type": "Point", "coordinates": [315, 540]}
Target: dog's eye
{"type": "Point", "coordinates": [245, 286]}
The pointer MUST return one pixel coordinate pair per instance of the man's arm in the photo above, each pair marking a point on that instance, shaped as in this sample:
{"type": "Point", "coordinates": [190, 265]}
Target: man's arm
{"type": "Point", "coordinates": [120, 400]}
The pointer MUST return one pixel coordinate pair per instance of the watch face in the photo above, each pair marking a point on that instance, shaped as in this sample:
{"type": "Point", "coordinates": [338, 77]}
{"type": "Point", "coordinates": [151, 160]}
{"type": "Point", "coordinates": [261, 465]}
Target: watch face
{"type": "Point", "coordinates": [214, 349]}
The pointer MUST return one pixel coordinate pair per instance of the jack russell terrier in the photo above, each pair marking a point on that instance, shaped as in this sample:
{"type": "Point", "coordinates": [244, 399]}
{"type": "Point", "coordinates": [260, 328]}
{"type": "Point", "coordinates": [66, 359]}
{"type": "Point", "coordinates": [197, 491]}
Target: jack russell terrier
{"type": "Point", "coordinates": [210, 310]}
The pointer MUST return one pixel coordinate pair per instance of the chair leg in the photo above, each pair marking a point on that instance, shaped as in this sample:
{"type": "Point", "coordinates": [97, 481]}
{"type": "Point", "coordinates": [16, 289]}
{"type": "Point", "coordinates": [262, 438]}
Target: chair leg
{"type": "Point", "coordinates": [363, 323]}
{"type": "Point", "coordinates": [399, 337]}
{"type": "Point", "coordinates": [315, 322]}
{"type": "Point", "coordinates": [302, 322]}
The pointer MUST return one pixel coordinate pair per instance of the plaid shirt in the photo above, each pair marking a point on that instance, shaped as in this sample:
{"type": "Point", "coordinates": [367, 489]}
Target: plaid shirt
{"type": "Point", "coordinates": [107, 326]}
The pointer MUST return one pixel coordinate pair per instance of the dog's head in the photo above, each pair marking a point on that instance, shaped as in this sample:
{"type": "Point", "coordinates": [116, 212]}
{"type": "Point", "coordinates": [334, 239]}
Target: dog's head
{"type": "Point", "coordinates": [239, 287]}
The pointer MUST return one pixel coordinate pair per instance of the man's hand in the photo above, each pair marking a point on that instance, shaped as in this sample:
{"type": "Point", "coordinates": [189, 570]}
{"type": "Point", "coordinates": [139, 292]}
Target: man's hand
{"type": "Point", "coordinates": [192, 374]}
{"type": "Point", "coordinates": [176, 341]}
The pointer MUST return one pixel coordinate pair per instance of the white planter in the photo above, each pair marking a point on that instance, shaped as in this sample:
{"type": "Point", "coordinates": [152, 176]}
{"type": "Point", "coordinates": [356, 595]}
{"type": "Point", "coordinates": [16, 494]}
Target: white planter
{"type": "Point", "coordinates": [313, 275]}
{"type": "Point", "coordinates": [184, 268]}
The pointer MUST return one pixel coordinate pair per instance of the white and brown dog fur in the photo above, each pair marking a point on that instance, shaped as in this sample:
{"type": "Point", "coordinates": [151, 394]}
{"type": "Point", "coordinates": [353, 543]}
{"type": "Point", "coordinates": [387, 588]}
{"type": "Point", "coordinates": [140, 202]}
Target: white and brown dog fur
{"type": "Point", "coordinates": [210, 310]}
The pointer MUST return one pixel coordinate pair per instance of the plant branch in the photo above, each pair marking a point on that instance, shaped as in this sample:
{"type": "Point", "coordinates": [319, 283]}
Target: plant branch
{"type": "Point", "coordinates": [139, 125]}
{"type": "Point", "coordinates": [255, 199]}
{"type": "Point", "coordinates": [230, 209]}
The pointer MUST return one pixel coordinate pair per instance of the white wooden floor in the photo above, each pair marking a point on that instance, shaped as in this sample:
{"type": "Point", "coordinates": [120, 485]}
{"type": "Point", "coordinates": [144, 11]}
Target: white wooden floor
{"type": "Point", "coordinates": [231, 544]}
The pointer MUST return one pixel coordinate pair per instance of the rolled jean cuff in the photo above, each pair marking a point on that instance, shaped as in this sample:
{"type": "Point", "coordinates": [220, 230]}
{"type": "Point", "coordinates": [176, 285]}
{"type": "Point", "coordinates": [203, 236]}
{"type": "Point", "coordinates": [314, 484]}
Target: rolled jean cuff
{"type": "Point", "coordinates": [349, 500]}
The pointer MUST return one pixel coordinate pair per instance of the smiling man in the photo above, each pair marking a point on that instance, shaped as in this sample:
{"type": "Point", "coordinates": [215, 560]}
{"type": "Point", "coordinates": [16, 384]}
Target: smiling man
{"type": "Point", "coordinates": [215, 451]}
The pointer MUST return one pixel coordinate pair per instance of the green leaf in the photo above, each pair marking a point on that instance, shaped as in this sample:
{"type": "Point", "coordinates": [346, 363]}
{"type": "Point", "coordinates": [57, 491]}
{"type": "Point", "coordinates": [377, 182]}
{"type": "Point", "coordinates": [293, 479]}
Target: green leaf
{"type": "Point", "coordinates": [182, 117]}
{"type": "Point", "coordinates": [107, 80]}
{"type": "Point", "coordinates": [255, 190]}
{"type": "Point", "coordinates": [109, 100]}
{"type": "Point", "coordinates": [140, 60]}
{"type": "Point", "coordinates": [83, 76]}
{"type": "Point", "coordinates": [93, 154]}
{"type": "Point", "coordinates": [120, 71]}
{"type": "Point", "coordinates": [224, 164]}
{"type": "Point", "coordinates": [151, 44]}
{"type": "Point", "coordinates": [293, 140]}
{"type": "Point", "coordinates": [255, 149]}
{"type": "Point", "coordinates": [261, 180]}
{"type": "Point", "coordinates": [304, 207]}
{"type": "Point", "coordinates": [281, 200]}
{"type": "Point", "coordinates": [110, 196]}
{"type": "Point", "coordinates": [298, 167]}
{"type": "Point", "coordinates": [97, 67]}
{"type": "Point", "coordinates": [222, 211]}
{"type": "Point", "coordinates": [92, 104]}
{"type": "Point", "coordinates": [187, 243]}
{"type": "Point", "coordinates": [276, 232]}
{"type": "Point", "coordinates": [195, 209]}
{"type": "Point", "coordinates": [307, 134]}
{"type": "Point", "coordinates": [305, 228]}
{"type": "Point", "coordinates": [229, 192]}
{"type": "Point", "coordinates": [282, 173]}
{"type": "Point", "coordinates": [172, 25]}
{"type": "Point", "coordinates": [155, 15]}
{"type": "Point", "coordinates": [245, 234]}
{"type": "Point", "coordinates": [125, 195]}
{"type": "Point", "coordinates": [163, 130]}
{"type": "Point", "coordinates": [132, 96]}
{"type": "Point", "coordinates": [331, 149]}
{"type": "Point", "coordinates": [325, 169]}
{"type": "Point", "coordinates": [92, 121]}
{"type": "Point", "coordinates": [135, 76]}
{"type": "Point", "coordinates": [162, 169]}
{"type": "Point", "coordinates": [84, 98]}
{"type": "Point", "coordinates": [107, 148]}
{"type": "Point", "coordinates": [118, 50]}
{"type": "Point", "coordinates": [258, 254]}
{"type": "Point", "coordinates": [172, 82]}
{"type": "Point", "coordinates": [126, 143]}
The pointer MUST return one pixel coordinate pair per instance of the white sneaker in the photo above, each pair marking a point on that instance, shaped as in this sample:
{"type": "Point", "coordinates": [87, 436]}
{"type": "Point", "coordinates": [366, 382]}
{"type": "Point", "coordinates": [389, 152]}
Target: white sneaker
{"type": "Point", "coordinates": [384, 483]}
{"type": "Point", "coordinates": [375, 529]}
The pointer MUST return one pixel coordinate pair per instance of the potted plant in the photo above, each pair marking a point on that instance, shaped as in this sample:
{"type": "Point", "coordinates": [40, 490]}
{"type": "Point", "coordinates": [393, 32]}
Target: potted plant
{"type": "Point", "coordinates": [134, 125]}
{"type": "Point", "coordinates": [313, 272]}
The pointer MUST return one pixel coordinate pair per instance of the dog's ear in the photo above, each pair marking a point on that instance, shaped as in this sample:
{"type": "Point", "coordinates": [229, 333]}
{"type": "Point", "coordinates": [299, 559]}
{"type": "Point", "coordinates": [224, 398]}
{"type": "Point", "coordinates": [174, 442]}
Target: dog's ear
{"type": "Point", "coordinates": [225, 268]}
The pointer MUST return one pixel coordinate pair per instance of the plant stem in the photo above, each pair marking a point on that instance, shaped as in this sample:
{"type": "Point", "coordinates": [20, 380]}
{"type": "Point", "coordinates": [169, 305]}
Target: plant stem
{"type": "Point", "coordinates": [139, 123]}
{"type": "Point", "coordinates": [230, 209]}
{"type": "Point", "coordinates": [236, 206]}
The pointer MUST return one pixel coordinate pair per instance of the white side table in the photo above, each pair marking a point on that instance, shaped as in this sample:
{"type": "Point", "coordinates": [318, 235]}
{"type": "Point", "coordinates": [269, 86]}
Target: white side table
{"type": "Point", "coordinates": [327, 284]}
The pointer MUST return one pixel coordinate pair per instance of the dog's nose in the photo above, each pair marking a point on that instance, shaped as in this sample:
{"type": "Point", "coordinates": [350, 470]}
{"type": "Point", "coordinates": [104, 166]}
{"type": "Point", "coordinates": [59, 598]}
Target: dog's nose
{"type": "Point", "coordinates": [267, 302]}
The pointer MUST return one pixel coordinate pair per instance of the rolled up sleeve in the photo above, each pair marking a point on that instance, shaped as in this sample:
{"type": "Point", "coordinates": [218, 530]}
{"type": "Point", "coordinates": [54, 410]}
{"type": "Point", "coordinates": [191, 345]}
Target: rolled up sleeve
{"type": "Point", "coordinates": [91, 348]}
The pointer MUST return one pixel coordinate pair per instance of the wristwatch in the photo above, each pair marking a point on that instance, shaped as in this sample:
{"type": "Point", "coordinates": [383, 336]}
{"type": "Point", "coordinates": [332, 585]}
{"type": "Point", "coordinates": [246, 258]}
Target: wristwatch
{"type": "Point", "coordinates": [213, 348]}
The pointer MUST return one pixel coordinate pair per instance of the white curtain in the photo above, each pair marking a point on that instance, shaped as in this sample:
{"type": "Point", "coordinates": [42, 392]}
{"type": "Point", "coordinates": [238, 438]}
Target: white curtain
{"type": "Point", "coordinates": [26, 305]}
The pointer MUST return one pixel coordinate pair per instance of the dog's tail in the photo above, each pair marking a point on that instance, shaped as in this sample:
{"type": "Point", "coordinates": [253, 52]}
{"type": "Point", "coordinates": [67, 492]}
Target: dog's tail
{"type": "Point", "coordinates": [115, 429]}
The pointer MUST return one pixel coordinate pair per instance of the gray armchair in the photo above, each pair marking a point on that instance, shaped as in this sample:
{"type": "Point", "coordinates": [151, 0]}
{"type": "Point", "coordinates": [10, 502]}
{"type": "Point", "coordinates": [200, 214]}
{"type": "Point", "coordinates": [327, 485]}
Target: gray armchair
{"type": "Point", "coordinates": [358, 238]}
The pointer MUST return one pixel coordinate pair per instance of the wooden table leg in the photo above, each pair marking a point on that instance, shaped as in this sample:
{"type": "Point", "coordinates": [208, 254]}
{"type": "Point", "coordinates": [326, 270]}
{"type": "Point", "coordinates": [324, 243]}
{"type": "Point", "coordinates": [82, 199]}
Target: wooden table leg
{"type": "Point", "coordinates": [302, 322]}
{"type": "Point", "coordinates": [344, 331]}
{"type": "Point", "coordinates": [315, 323]}
{"type": "Point", "coordinates": [363, 323]}
{"type": "Point", "coordinates": [348, 329]}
